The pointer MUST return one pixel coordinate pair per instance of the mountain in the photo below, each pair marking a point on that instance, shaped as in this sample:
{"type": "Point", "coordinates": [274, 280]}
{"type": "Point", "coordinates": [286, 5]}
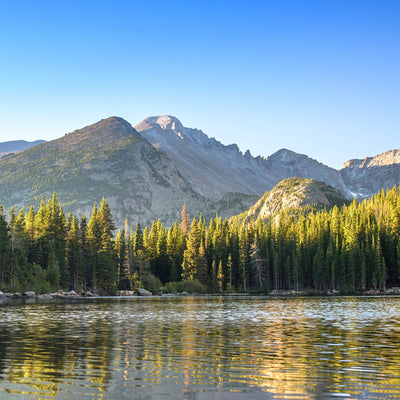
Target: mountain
{"type": "Point", "coordinates": [290, 164]}
{"type": "Point", "coordinates": [150, 171]}
{"type": "Point", "coordinates": [295, 194]}
{"type": "Point", "coordinates": [107, 159]}
{"type": "Point", "coordinates": [212, 168]}
{"type": "Point", "coordinates": [15, 146]}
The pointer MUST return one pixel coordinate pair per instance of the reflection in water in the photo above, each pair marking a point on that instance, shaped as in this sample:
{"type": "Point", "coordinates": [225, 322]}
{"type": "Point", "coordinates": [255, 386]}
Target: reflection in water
{"type": "Point", "coordinates": [201, 348]}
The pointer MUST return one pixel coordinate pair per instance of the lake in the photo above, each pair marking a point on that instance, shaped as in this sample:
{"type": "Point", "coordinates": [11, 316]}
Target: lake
{"type": "Point", "coordinates": [202, 348]}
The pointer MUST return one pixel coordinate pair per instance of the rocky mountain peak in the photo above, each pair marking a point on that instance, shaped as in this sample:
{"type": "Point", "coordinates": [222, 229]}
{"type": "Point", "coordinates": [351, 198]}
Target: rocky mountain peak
{"type": "Point", "coordinates": [167, 131]}
{"type": "Point", "coordinates": [165, 122]}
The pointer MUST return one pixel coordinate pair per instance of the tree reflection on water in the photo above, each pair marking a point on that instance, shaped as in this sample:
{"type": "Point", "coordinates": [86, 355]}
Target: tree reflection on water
{"type": "Point", "coordinates": [192, 346]}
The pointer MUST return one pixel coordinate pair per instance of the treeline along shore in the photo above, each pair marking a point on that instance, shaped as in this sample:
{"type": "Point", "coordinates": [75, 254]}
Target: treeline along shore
{"type": "Point", "coordinates": [352, 249]}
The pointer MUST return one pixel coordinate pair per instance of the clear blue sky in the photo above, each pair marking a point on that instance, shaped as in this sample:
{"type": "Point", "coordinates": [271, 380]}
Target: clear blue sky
{"type": "Point", "coordinates": [320, 77]}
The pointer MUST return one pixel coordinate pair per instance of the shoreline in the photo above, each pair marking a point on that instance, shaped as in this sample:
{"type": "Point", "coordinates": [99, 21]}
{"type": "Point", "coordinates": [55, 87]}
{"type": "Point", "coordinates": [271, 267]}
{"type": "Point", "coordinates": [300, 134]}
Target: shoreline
{"type": "Point", "coordinates": [32, 298]}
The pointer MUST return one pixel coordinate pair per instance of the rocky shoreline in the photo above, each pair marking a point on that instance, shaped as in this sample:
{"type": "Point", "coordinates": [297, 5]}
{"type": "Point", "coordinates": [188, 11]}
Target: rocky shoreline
{"type": "Point", "coordinates": [60, 294]}
{"type": "Point", "coordinates": [31, 296]}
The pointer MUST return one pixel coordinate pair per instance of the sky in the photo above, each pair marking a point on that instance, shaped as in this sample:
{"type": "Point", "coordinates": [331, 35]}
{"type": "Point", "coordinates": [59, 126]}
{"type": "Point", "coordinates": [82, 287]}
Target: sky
{"type": "Point", "coordinates": [319, 77]}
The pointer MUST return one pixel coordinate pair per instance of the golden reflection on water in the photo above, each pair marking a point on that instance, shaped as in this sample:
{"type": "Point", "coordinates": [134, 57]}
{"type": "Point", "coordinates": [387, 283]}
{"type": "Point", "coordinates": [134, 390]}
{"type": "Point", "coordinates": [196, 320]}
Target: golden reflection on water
{"type": "Point", "coordinates": [185, 347]}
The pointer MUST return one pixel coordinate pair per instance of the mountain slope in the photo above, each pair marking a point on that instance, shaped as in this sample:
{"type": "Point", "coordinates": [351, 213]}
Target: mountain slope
{"type": "Point", "coordinates": [214, 169]}
{"type": "Point", "coordinates": [290, 164]}
{"type": "Point", "coordinates": [296, 194]}
{"type": "Point", "coordinates": [107, 159]}
{"type": "Point", "coordinates": [368, 176]}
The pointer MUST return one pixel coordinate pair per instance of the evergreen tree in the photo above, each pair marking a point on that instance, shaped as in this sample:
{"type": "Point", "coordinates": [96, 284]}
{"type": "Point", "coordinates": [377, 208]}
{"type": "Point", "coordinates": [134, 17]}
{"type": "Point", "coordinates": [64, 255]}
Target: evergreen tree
{"type": "Point", "coordinates": [184, 220]}
{"type": "Point", "coordinates": [4, 244]}
{"type": "Point", "coordinates": [220, 277]}
{"type": "Point", "coordinates": [74, 255]}
{"type": "Point", "coordinates": [191, 254]}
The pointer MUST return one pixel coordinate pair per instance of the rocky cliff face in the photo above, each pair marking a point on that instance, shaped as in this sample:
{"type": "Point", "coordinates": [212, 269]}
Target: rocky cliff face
{"type": "Point", "coordinates": [365, 177]}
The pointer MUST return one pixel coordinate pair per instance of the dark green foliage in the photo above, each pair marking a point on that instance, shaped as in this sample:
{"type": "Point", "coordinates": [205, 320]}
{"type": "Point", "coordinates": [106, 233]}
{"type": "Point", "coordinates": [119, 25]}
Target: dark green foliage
{"type": "Point", "coordinates": [189, 286]}
{"type": "Point", "coordinates": [352, 249]}
{"type": "Point", "coordinates": [152, 283]}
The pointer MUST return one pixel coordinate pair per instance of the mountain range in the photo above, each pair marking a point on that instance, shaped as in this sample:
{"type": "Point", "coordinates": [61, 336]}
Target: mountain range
{"type": "Point", "coordinates": [149, 171]}
{"type": "Point", "coordinates": [15, 146]}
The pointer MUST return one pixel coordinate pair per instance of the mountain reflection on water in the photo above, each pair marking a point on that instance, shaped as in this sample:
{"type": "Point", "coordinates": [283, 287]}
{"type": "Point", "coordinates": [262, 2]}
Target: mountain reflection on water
{"type": "Point", "coordinates": [201, 348]}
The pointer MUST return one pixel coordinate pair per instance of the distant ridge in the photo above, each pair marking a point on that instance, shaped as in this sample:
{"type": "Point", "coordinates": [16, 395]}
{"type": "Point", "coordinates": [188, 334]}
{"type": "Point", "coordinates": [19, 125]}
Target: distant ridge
{"type": "Point", "coordinates": [15, 146]}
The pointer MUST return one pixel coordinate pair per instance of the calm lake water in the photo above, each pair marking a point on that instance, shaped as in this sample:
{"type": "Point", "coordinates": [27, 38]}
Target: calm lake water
{"type": "Point", "coordinates": [202, 348]}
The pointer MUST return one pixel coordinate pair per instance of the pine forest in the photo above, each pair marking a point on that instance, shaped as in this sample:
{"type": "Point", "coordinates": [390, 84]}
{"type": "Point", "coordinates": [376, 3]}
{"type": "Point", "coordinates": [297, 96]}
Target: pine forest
{"type": "Point", "coordinates": [352, 249]}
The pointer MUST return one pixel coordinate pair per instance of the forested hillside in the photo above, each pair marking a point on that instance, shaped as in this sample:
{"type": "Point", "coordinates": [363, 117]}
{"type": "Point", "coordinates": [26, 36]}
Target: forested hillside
{"type": "Point", "coordinates": [298, 194]}
{"type": "Point", "coordinates": [351, 249]}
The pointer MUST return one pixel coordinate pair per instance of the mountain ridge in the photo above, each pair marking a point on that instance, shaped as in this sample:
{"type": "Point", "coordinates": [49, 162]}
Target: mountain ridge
{"type": "Point", "coordinates": [15, 146]}
{"type": "Point", "coordinates": [150, 170]}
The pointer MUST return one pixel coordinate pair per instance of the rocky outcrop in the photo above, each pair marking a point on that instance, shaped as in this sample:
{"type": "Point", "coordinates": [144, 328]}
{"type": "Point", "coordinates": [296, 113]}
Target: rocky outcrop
{"type": "Point", "coordinates": [45, 296]}
{"type": "Point", "coordinates": [366, 177]}
{"type": "Point", "coordinates": [295, 194]}
{"type": "Point", "coordinates": [63, 295]}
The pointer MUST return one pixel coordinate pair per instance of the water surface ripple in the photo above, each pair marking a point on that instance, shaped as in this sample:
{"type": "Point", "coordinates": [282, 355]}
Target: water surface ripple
{"type": "Point", "coordinates": [202, 348]}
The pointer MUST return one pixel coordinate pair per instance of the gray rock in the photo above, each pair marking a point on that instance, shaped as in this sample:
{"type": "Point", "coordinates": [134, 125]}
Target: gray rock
{"type": "Point", "coordinates": [17, 296]}
{"type": "Point", "coordinates": [29, 295]}
{"type": "Point", "coordinates": [45, 296]}
{"type": "Point", "coordinates": [144, 292]}
{"type": "Point", "coordinates": [71, 293]}
{"type": "Point", "coordinates": [58, 294]}
{"type": "Point", "coordinates": [125, 293]}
